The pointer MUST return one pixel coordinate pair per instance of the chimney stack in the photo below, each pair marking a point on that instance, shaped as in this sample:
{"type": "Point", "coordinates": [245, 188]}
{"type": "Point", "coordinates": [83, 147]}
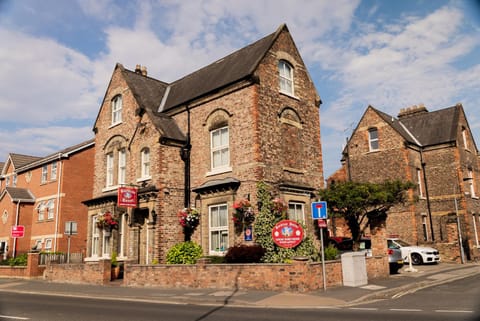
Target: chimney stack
{"type": "Point", "coordinates": [137, 69]}
{"type": "Point", "coordinates": [412, 111]}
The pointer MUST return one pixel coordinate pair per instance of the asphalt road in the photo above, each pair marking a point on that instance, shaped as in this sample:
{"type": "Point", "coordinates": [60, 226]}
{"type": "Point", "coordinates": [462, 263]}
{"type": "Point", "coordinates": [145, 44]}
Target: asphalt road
{"type": "Point", "coordinates": [455, 301]}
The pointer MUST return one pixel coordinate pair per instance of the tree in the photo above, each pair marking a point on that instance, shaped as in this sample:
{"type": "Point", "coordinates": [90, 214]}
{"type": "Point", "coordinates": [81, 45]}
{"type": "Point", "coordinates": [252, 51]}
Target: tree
{"type": "Point", "coordinates": [360, 203]}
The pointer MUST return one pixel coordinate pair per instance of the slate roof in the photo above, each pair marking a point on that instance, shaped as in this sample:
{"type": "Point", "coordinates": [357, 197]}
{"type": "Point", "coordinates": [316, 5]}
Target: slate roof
{"type": "Point", "coordinates": [157, 97]}
{"type": "Point", "coordinates": [427, 128]}
{"type": "Point", "coordinates": [149, 93]}
{"type": "Point", "coordinates": [232, 68]}
{"type": "Point", "coordinates": [435, 127]}
{"type": "Point", "coordinates": [20, 194]}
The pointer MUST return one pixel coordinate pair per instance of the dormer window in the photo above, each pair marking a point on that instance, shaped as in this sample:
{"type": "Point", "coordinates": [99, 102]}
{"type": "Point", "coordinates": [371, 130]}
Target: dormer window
{"type": "Point", "coordinates": [286, 77]}
{"type": "Point", "coordinates": [373, 139]}
{"type": "Point", "coordinates": [117, 110]}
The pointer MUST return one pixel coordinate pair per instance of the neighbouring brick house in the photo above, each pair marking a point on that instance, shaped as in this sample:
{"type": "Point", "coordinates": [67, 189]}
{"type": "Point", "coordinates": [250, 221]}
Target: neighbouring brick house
{"type": "Point", "coordinates": [204, 141]}
{"type": "Point", "coordinates": [436, 151]}
{"type": "Point", "coordinates": [42, 194]}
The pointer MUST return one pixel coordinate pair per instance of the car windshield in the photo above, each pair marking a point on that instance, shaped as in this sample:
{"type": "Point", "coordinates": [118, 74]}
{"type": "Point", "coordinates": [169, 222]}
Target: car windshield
{"type": "Point", "coordinates": [402, 243]}
{"type": "Point", "coordinates": [392, 245]}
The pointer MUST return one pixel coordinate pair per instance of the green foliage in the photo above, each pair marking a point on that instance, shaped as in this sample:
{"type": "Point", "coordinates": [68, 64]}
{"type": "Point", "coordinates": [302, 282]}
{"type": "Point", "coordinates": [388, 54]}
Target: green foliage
{"type": "Point", "coordinates": [244, 254]}
{"type": "Point", "coordinates": [20, 260]}
{"type": "Point", "coordinates": [113, 259]}
{"type": "Point", "coordinates": [184, 253]}
{"type": "Point", "coordinates": [215, 259]}
{"type": "Point", "coordinates": [331, 252]}
{"type": "Point", "coordinates": [360, 203]}
{"type": "Point", "coordinates": [271, 212]}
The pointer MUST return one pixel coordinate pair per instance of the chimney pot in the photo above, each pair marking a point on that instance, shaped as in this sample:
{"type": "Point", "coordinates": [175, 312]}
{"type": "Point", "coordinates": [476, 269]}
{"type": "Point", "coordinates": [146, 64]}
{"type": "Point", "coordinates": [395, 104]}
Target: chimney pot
{"type": "Point", "coordinates": [138, 69]}
{"type": "Point", "coordinates": [144, 71]}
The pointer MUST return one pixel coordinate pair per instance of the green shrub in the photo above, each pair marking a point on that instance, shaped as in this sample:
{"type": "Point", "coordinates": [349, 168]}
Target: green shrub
{"type": "Point", "coordinates": [20, 260]}
{"type": "Point", "coordinates": [184, 253]}
{"type": "Point", "coordinates": [215, 259]}
{"type": "Point", "coordinates": [331, 252]}
{"type": "Point", "coordinates": [244, 254]}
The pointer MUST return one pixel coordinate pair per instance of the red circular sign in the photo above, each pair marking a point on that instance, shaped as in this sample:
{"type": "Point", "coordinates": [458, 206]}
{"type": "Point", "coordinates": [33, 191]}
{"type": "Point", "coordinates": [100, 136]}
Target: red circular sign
{"type": "Point", "coordinates": [287, 234]}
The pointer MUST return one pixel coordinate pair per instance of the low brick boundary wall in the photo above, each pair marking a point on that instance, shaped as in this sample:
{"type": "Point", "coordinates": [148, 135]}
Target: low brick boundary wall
{"type": "Point", "coordinates": [32, 270]}
{"type": "Point", "coordinates": [298, 277]}
{"type": "Point", "coordinates": [98, 273]}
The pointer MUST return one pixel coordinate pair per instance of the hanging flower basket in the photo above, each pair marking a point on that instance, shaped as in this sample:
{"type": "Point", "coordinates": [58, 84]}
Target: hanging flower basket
{"type": "Point", "coordinates": [279, 208]}
{"type": "Point", "coordinates": [189, 218]}
{"type": "Point", "coordinates": [107, 222]}
{"type": "Point", "coordinates": [243, 214]}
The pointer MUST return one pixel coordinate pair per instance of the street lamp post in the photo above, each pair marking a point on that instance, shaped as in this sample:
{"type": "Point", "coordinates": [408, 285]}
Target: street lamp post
{"type": "Point", "coordinates": [462, 254]}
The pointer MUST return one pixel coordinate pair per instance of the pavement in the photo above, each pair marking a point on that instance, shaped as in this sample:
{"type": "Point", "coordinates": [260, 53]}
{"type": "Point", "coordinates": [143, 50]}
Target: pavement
{"type": "Point", "coordinates": [408, 280]}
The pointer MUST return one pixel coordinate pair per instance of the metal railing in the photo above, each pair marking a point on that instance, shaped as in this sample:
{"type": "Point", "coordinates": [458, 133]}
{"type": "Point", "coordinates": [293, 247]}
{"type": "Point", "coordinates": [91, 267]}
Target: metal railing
{"type": "Point", "coordinates": [59, 258]}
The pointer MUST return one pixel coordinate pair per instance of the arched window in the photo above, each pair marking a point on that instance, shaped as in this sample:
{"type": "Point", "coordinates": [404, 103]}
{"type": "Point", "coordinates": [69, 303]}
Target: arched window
{"type": "Point", "coordinates": [117, 110]}
{"type": "Point", "coordinates": [286, 77]}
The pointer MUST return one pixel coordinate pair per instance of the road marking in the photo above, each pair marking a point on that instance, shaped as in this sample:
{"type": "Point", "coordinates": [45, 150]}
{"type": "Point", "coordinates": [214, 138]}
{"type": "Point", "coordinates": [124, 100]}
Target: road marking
{"type": "Point", "coordinates": [453, 311]}
{"type": "Point", "coordinates": [365, 309]}
{"type": "Point", "coordinates": [12, 317]}
{"type": "Point", "coordinates": [406, 310]}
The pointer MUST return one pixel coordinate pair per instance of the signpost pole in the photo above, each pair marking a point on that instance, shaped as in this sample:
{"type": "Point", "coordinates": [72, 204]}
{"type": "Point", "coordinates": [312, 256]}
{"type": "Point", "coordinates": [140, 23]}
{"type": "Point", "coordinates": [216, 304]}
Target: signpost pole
{"type": "Point", "coordinates": [323, 261]}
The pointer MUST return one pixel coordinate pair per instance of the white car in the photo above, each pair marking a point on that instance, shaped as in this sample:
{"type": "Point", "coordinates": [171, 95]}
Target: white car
{"type": "Point", "coordinates": [419, 254]}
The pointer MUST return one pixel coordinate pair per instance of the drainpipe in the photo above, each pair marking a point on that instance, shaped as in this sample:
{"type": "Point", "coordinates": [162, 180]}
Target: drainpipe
{"type": "Point", "coordinates": [429, 210]}
{"type": "Point", "coordinates": [16, 224]}
{"type": "Point", "coordinates": [185, 155]}
{"type": "Point", "coordinates": [57, 210]}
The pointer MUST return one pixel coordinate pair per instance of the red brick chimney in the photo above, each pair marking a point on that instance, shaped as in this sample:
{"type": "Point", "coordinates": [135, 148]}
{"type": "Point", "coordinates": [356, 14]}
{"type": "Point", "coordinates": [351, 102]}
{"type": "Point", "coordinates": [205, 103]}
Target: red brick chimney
{"type": "Point", "coordinates": [411, 111]}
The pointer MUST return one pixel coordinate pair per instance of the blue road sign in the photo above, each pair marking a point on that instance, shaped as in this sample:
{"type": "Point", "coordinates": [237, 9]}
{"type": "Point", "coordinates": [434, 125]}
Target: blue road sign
{"type": "Point", "coordinates": [319, 210]}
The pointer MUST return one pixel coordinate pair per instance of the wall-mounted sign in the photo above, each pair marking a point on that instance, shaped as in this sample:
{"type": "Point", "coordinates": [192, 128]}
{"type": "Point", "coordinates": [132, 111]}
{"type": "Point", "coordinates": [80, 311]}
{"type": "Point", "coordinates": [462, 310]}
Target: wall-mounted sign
{"type": "Point", "coordinates": [127, 197]}
{"type": "Point", "coordinates": [248, 233]}
{"type": "Point", "coordinates": [287, 234]}
{"type": "Point", "coordinates": [18, 231]}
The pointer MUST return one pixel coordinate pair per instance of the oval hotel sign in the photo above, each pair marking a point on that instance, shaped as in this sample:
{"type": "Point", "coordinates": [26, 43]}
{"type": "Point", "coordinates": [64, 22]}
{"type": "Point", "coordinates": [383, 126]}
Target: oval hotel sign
{"type": "Point", "coordinates": [287, 234]}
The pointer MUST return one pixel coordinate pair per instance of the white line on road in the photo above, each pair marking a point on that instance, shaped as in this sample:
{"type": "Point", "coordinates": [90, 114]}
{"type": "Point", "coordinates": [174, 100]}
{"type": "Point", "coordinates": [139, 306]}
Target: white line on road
{"type": "Point", "coordinates": [12, 317]}
{"type": "Point", "coordinates": [453, 311]}
{"type": "Point", "coordinates": [406, 310]}
{"type": "Point", "coordinates": [365, 309]}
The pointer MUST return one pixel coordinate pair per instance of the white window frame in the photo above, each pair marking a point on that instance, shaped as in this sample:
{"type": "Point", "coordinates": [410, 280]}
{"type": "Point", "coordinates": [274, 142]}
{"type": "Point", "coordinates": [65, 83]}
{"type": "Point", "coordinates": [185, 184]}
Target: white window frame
{"type": "Point", "coordinates": [425, 227]}
{"type": "Point", "coordinates": [222, 149]}
{"type": "Point", "coordinates": [218, 232]}
{"type": "Point", "coordinates": [297, 213]}
{"type": "Point", "coordinates": [472, 185]}
{"type": "Point", "coordinates": [475, 231]}
{"type": "Point", "coordinates": [109, 159]}
{"type": "Point", "coordinates": [122, 166]}
{"type": "Point", "coordinates": [121, 235]}
{"type": "Point", "coordinates": [373, 142]}
{"type": "Point", "coordinates": [53, 170]}
{"type": "Point", "coordinates": [465, 138]}
{"type": "Point", "coordinates": [145, 166]}
{"type": "Point", "coordinates": [48, 244]}
{"type": "Point", "coordinates": [285, 71]}
{"type": "Point", "coordinates": [420, 183]}
{"type": "Point", "coordinates": [95, 246]}
{"type": "Point", "coordinates": [14, 180]}
{"type": "Point", "coordinates": [44, 177]}
{"type": "Point", "coordinates": [117, 110]}
{"type": "Point", "coordinates": [50, 206]}
{"type": "Point", "coordinates": [41, 211]}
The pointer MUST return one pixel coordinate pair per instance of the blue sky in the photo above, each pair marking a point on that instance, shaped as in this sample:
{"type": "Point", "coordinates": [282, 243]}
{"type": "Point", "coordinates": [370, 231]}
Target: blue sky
{"type": "Point", "coordinates": [57, 57]}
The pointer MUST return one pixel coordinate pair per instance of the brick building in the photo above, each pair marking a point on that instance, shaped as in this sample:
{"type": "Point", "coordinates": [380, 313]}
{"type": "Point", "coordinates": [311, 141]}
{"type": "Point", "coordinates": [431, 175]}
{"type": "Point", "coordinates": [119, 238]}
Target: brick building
{"type": "Point", "coordinates": [204, 141]}
{"type": "Point", "coordinates": [436, 151]}
{"type": "Point", "coordinates": [42, 194]}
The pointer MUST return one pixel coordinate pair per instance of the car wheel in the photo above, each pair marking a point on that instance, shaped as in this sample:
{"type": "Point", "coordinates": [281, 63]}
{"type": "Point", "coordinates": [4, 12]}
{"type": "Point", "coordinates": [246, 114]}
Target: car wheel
{"type": "Point", "coordinates": [416, 258]}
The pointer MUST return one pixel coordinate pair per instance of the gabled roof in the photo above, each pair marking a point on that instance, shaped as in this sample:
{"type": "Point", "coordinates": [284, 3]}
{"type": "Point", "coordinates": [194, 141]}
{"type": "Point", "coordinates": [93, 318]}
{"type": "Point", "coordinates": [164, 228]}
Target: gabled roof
{"type": "Point", "coordinates": [426, 128]}
{"type": "Point", "coordinates": [17, 161]}
{"type": "Point", "coordinates": [435, 127]}
{"type": "Point", "coordinates": [64, 153]}
{"type": "Point", "coordinates": [19, 194]}
{"type": "Point", "coordinates": [149, 92]}
{"type": "Point", "coordinates": [232, 68]}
